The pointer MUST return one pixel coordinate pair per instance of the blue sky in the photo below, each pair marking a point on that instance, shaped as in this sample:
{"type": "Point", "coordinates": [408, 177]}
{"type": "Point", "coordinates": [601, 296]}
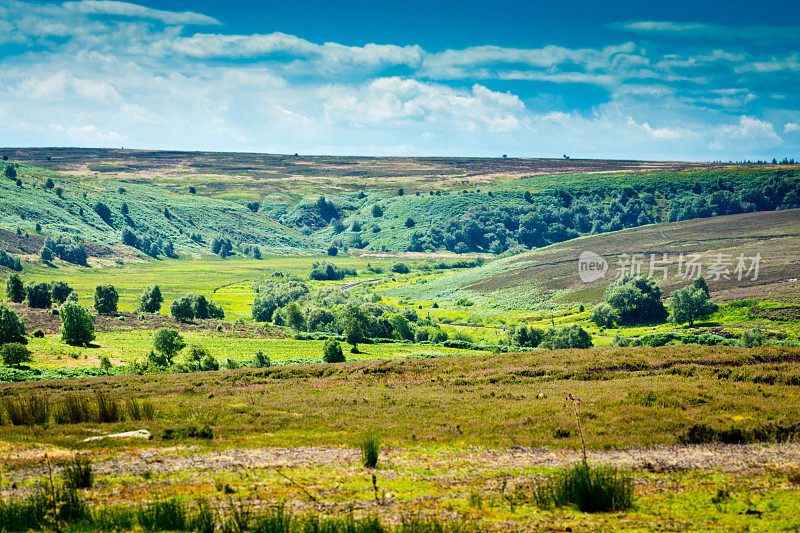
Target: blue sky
{"type": "Point", "coordinates": [643, 80]}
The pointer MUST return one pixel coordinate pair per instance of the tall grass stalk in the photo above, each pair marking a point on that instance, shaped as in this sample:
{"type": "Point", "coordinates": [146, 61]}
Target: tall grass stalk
{"type": "Point", "coordinates": [108, 408]}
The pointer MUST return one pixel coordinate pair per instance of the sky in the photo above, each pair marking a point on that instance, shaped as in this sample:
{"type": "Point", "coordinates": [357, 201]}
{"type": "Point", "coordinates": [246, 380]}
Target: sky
{"type": "Point", "coordinates": [664, 80]}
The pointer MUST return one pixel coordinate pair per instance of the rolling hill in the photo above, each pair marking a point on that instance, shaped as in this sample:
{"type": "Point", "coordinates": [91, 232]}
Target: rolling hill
{"type": "Point", "coordinates": [548, 277]}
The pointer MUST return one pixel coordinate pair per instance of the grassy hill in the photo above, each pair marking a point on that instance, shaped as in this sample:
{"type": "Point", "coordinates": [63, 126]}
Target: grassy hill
{"type": "Point", "coordinates": [548, 277]}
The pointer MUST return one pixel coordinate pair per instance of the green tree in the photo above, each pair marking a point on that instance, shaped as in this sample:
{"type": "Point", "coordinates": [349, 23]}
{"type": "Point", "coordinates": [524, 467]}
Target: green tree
{"type": "Point", "coordinates": [14, 354]}
{"type": "Point", "coordinates": [169, 342]}
{"type": "Point", "coordinates": [60, 291]}
{"type": "Point", "coordinates": [15, 290]}
{"type": "Point", "coordinates": [637, 299]}
{"type": "Point", "coordinates": [12, 329]}
{"type": "Point", "coordinates": [294, 316]}
{"type": "Point", "coordinates": [151, 299]}
{"type": "Point", "coordinates": [332, 352]}
{"type": "Point", "coordinates": [356, 324]}
{"type": "Point", "coordinates": [700, 283]}
{"type": "Point", "coordinates": [38, 295]}
{"type": "Point", "coordinates": [182, 309]}
{"type": "Point", "coordinates": [689, 304]}
{"type": "Point", "coordinates": [77, 324]}
{"type": "Point", "coordinates": [105, 299]}
{"type": "Point", "coordinates": [572, 336]}
{"type": "Point", "coordinates": [401, 326]}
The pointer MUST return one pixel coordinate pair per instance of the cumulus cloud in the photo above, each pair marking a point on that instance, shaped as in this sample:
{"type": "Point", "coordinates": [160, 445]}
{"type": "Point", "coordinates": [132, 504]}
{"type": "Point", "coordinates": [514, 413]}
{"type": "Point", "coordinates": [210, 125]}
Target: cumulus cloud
{"type": "Point", "coordinates": [110, 73]}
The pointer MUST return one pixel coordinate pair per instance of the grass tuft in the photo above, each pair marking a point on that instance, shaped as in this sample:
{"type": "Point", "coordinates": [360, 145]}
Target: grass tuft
{"type": "Point", "coordinates": [73, 410]}
{"type": "Point", "coordinates": [370, 449]}
{"type": "Point", "coordinates": [588, 489]}
{"type": "Point", "coordinates": [163, 515]}
{"type": "Point", "coordinates": [79, 474]}
{"type": "Point", "coordinates": [108, 408]}
{"type": "Point", "coordinates": [26, 411]}
{"type": "Point", "coordinates": [140, 410]}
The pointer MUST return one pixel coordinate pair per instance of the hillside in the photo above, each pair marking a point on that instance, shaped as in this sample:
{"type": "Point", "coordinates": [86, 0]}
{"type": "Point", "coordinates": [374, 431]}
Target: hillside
{"type": "Point", "coordinates": [548, 277]}
{"type": "Point", "coordinates": [167, 204]}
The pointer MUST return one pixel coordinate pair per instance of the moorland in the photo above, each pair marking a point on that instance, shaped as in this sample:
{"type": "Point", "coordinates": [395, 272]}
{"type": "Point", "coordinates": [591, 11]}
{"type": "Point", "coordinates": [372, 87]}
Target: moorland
{"type": "Point", "coordinates": [314, 312]}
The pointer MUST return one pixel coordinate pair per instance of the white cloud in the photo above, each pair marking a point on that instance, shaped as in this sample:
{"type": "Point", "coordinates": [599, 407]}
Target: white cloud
{"type": "Point", "coordinates": [113, 73]}
{"type": "Point", "coordinates": [124, 9]}
{"type": "Point", "coordinates": [750, 130]}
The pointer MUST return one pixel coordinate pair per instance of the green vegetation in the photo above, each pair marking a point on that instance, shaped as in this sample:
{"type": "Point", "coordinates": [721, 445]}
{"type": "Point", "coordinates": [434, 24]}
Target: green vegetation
{"type": "Point", "coordinates": [77, 325]}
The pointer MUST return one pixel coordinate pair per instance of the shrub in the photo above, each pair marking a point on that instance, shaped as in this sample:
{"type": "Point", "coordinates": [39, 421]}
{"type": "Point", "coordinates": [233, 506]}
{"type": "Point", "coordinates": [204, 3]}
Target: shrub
{"type": "Point", "coordinates": [77, 324]}
{"type": "Point", "coordinates": [9, 261]}
{"type": "Point", "coordinates": [260, 360]}
{"type": "Point", "coordinates": [49, 184]}
{"type": "Point", "coordinates": [15, 290]}
{"type": "Point", "coordinates": [410, 222]}
{"type": "Point", "coordinates": [38, 295]}
{"type": "Point", "coordinates": [182, 309]}
{"type": "Point", "coordinates": [103, 212]}
{"type": "Point", "coordinates": [12, 329]}
{"type": "Point", "coordinates": [78, 474]}
{"type": "Point", "coordinates": [588, 489]}
{"type": "Point", "coordinates": [105, 299]}
{"type": "Point", "coordinates": [69, 249]}
{"type": "Point", "coordinates": [151, 299]}
{"type": "Point", "coordinates": [14, 354]}
{"type": "Point", "coordinates": [332, 352]}
{"type": "Point", "coordinates": [37, 334]}
{"type": "Point", "coordinates": [169, 342]}
{"type": "Point", "coordinates": [209, 363]}
{"type": "Point", "coordinates": [752, 338]}
{"type": "Point", "coordinates": [377, 212]}
{"type": "Point", "coordinates": [573, 336]}
{"type": "Point", "coordinates": [400, 268]}
{"type": "Point", "coordinates": [196, 353]}
{"type": "Point", "coordinates": [332, 250]}
{"type": "Point", "coordinates": [370, 449]}
{"type": "Point", "coordinates": [60, 291]}
{"type": "Point", "coordinates": [637, 299]}
{"type": "Point", "coordinates": [604, 316]}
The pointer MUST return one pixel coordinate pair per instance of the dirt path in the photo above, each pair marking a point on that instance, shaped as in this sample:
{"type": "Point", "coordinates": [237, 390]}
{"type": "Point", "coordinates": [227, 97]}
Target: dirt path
{"type": "Point", "coordinates": [735, 459]}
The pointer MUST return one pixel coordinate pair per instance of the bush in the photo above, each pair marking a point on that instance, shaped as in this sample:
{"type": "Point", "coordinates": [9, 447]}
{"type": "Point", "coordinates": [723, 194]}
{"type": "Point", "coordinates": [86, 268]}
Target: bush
{"type": "Point", "coordinates": [9, 261]}
{"type": "Point", "coordinates": [573, 336]}
{"type": "Point", "coordinates": [77, 324]}
{"type": "Point", "coordinates": [12, 329]}
{"type": "Point", "coordinates": [15, 290]}
{"type": "Point", "coordinates": [79, 474]}
{"type": "Point", "coordinates": [400, 268]}
{"type": "Point", "coordinates": [637, 299]}
{"type": "Point", "coordinates": [377, 212]}
{"type": "Point", "coordinates": [588, 489]}
{"type": "Point", "coordinates": [38, 295]}
{"type": "Point", "coordinates": [14, 354]}
{"type": "Point", "coordinates": [294, 316]}
{"type": "Point", "coordinates": [333, 250]}
{"type": "Point", "coordinates": [103, 212]}
{"type": "Point", "coordinates": [370, 449]}
{"type": "Point", "coordinates": [604, 316]}
{"type": "Point", "coordinates": [169, 342]}
{"type": "Point", "coordinates": [151, 299]}
{"type": "Point", "coordinates": [37, 334]}
{"type": "Point", "coordinates": [182, 309]}
{"type": "Point", "coordinates": [105, 299]}
{"type": "Point", "coordinates": [261, 360]}
{"type": "Point", "coordinates": [752, 338]}
{"type": "Point", "coordinates": [60, 291]}
{"type": "Point", "coordinates": [332, 352]}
